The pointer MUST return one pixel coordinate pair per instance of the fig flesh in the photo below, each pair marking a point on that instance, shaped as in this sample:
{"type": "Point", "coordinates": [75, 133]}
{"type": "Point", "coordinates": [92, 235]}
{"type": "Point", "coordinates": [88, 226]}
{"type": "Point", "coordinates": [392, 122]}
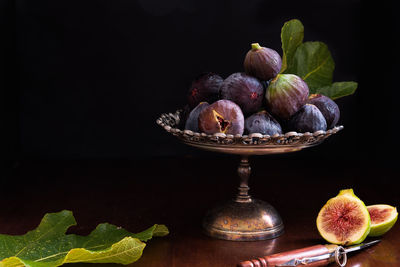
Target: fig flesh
{"type": "Point", "coordinates": [383, 217]}
{"type": "Point", "coordinates": [328, 108]}
{"type": "Point", "coordinates": [244, 90]}
{"type": "Point", "coordinates": [262, 122]}
{"type": "Point", "coordinates": [285, 95]}
{"type": "Point", "coordinates": [192, 122]}
{"type": "Point", "coordinates": [344, 219]}
{"type": "Point", "coordinates": [262, 62]}
{"type": "Point", "coordinates": [222, 116]}
{"type": "Point", "coordinates": [308, 119]}
{"type": "Point", "coordinates": [204, 88]}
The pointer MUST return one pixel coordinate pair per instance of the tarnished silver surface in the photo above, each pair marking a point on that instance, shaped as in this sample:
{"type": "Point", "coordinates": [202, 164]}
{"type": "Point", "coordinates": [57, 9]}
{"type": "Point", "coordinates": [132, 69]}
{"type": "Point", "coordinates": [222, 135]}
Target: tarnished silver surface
{"type": "Point", "coordinates": [243, 218]}
{"type": "Point", "coordinates": [253, 144]}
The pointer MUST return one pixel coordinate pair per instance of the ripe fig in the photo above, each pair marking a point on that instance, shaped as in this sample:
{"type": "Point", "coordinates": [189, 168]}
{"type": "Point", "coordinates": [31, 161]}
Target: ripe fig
{"type": "Point", "coordinates": [262, 62]}
{"type": "Point", "coordinates": [328, 108]}
{"type": "Point", "coordinates": [344, 219]}
{"type": "Point", "coordinates": [192, 122]}
{"type": "Point", "coordinates": [244, 90]}
{"type": "Point", "coordinates": [262, 122]}
{"type": "Point", "coordinates": [204, 88]}
{"type": "Point", "coordinates": [383, 217]}
{"type": "Point", "coordinates": [222, 116]}
{"type": "Point", "coordinates": [285, 95]}
{"type": "Point", "coordinates": [308, 119]}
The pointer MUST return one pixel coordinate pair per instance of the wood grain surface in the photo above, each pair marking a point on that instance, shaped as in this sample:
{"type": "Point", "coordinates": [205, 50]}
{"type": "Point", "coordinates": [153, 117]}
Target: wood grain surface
{"type": "Point", "coordinates": [177, 192]}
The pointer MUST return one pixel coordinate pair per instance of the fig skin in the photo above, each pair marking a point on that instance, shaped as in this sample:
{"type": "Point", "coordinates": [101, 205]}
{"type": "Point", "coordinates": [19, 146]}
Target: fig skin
{"type": "Point", "coordinates": [204, 88]}
{"type": "Point", "coordinates": [245, 90]}
{"type": "Point", "coordinates": [262, 62]}
{"type": "Point", "coordinates": [192, 122]}
{"type": "Point", "coordinates": [262, 122]}
{"type": "Point", "coordinates": [285, 95]}
{"type": "Point", "coordinates": [222, 116]}
{"type": "Point", "coordinates": [328, 108]}
{"type": "Point", "coordinates": [308, 119]}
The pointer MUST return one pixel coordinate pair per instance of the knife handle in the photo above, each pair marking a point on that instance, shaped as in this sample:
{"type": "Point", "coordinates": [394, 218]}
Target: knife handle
{"type": "Point", "coordinates": [280, 258]}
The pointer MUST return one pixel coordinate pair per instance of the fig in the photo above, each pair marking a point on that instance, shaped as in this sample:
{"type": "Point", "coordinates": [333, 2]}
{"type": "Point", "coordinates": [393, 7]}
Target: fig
{"type": "Point", "coordinates": [308, 119]}
{"type": "Point", "coordinates": [328, 108]}
{"type": "Point", "coordinates": [222, 116]}
{"type": "Point", "coordinates": [204, 88]}
{"type": "Point", "coordinates": [262, 62]}
{"type": "Point", "coordinates": [383, 217]}
{"type": "Point", "coordinates": [262, 122]}
{"type": "Point", "coordinates": [285, 95]}
{"type": "Point", "coordinates": [192, 122]}
{"type": "Point", "coordinates": [344, 219]}
{"type": "Point", "coordinates": [244, 90]}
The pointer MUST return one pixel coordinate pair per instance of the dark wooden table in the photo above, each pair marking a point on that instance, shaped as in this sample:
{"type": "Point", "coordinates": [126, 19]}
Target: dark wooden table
{"type": "Point", "coordinates": [135, 194]}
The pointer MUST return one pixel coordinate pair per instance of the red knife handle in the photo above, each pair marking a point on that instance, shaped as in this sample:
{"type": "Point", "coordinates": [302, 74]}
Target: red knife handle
{"type": "Point", "coordinates": [280, 258]}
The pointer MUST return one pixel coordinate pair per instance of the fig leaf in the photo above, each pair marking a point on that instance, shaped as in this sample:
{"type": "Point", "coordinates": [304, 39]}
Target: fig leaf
{"type": "Point", "coordinates": [314, 64]}
{"type": "Point", "coordinates": [292, 35]}
{"type": "Point", "coordinates": [48, 245]}
{"type": "Point", "coordinates": [336, 90]}
{"type": "Point", "coordinates": [312, 61]}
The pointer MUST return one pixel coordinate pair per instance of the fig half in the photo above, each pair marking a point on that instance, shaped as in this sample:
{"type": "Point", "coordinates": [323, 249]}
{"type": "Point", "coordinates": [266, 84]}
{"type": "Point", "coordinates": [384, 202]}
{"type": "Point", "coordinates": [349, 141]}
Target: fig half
{"type": "Point", "coordinates": [383, 217]}
{"type": "Point", "coordinates": [344, 219]}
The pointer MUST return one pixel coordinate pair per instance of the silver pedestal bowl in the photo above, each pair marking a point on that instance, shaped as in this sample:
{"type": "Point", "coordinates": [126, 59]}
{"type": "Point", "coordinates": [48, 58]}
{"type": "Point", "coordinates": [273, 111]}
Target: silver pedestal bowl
{"type": "Point", "coordinates": [244, 218]}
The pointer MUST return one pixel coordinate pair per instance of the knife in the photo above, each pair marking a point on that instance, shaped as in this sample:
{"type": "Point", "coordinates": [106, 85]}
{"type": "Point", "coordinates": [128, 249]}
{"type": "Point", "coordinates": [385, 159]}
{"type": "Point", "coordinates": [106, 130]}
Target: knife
{"type": "Point", "coordinates": [318, 255]}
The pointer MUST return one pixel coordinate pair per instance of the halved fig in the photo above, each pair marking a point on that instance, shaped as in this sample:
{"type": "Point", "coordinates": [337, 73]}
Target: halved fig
{"type": "Point", "coordinates": [344, 219]}
{"type": "Point", "coordinates": [383, 217]}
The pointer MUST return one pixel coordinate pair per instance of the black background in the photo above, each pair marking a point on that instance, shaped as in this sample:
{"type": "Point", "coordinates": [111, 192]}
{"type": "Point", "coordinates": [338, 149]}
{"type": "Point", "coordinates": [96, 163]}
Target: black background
{"type": "Point", "coordinates": [88, 79]}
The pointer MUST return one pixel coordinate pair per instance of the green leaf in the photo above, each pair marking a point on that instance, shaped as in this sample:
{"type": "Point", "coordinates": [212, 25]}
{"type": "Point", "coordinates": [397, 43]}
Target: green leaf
{"type": "Point", "coordinates": [48, 245]}
{"type": "Point", "coordinates": [292, 35]}
{"type": "Point", "coordinates": [314, 64]}
{"type": "Point", "coordinates": [338, 89]}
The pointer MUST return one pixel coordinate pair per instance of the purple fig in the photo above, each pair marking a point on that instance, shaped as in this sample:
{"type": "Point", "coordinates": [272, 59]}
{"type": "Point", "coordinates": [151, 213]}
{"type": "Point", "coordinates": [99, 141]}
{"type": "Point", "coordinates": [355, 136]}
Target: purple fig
{"type": "Point", "coordinates": [328, 108]}
{"type": "Point", "coordinates": [244, 90]}
{"type": "Point", "coordinates": [204, 88]}
{"type": "Point", "coordinates": [308, 119]}
{"type": "Point", "coordinates": [262, 62]}
{"type": "Point", "coordinates": [192, 122]}
{"type": "Point", "coordinates": [262, 122]}
{"type": "Point", "coordinates": [285, 95]}
{"type": "Point", "coordinates": [222, 116]}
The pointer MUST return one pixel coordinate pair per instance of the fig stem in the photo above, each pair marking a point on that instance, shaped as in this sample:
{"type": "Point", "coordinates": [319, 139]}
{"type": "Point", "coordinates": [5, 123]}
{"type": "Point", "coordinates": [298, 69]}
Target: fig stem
{"type": "Point", "coordinates": [244, 171]}
{"type": "Point", "coordinates": [255, 46]}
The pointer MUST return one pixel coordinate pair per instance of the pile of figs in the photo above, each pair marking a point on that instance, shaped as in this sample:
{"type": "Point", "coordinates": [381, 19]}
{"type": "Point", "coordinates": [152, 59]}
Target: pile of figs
{"type": "Point", "coordinates": [258, 100]}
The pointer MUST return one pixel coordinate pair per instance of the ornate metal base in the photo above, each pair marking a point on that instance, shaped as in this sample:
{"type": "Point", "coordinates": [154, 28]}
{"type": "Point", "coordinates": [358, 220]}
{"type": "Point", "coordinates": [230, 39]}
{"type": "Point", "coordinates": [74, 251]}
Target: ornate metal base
{"type": "Point", "coordinates": [248, 221]}
{"type": "Point", "coordinates": [243, 218]}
